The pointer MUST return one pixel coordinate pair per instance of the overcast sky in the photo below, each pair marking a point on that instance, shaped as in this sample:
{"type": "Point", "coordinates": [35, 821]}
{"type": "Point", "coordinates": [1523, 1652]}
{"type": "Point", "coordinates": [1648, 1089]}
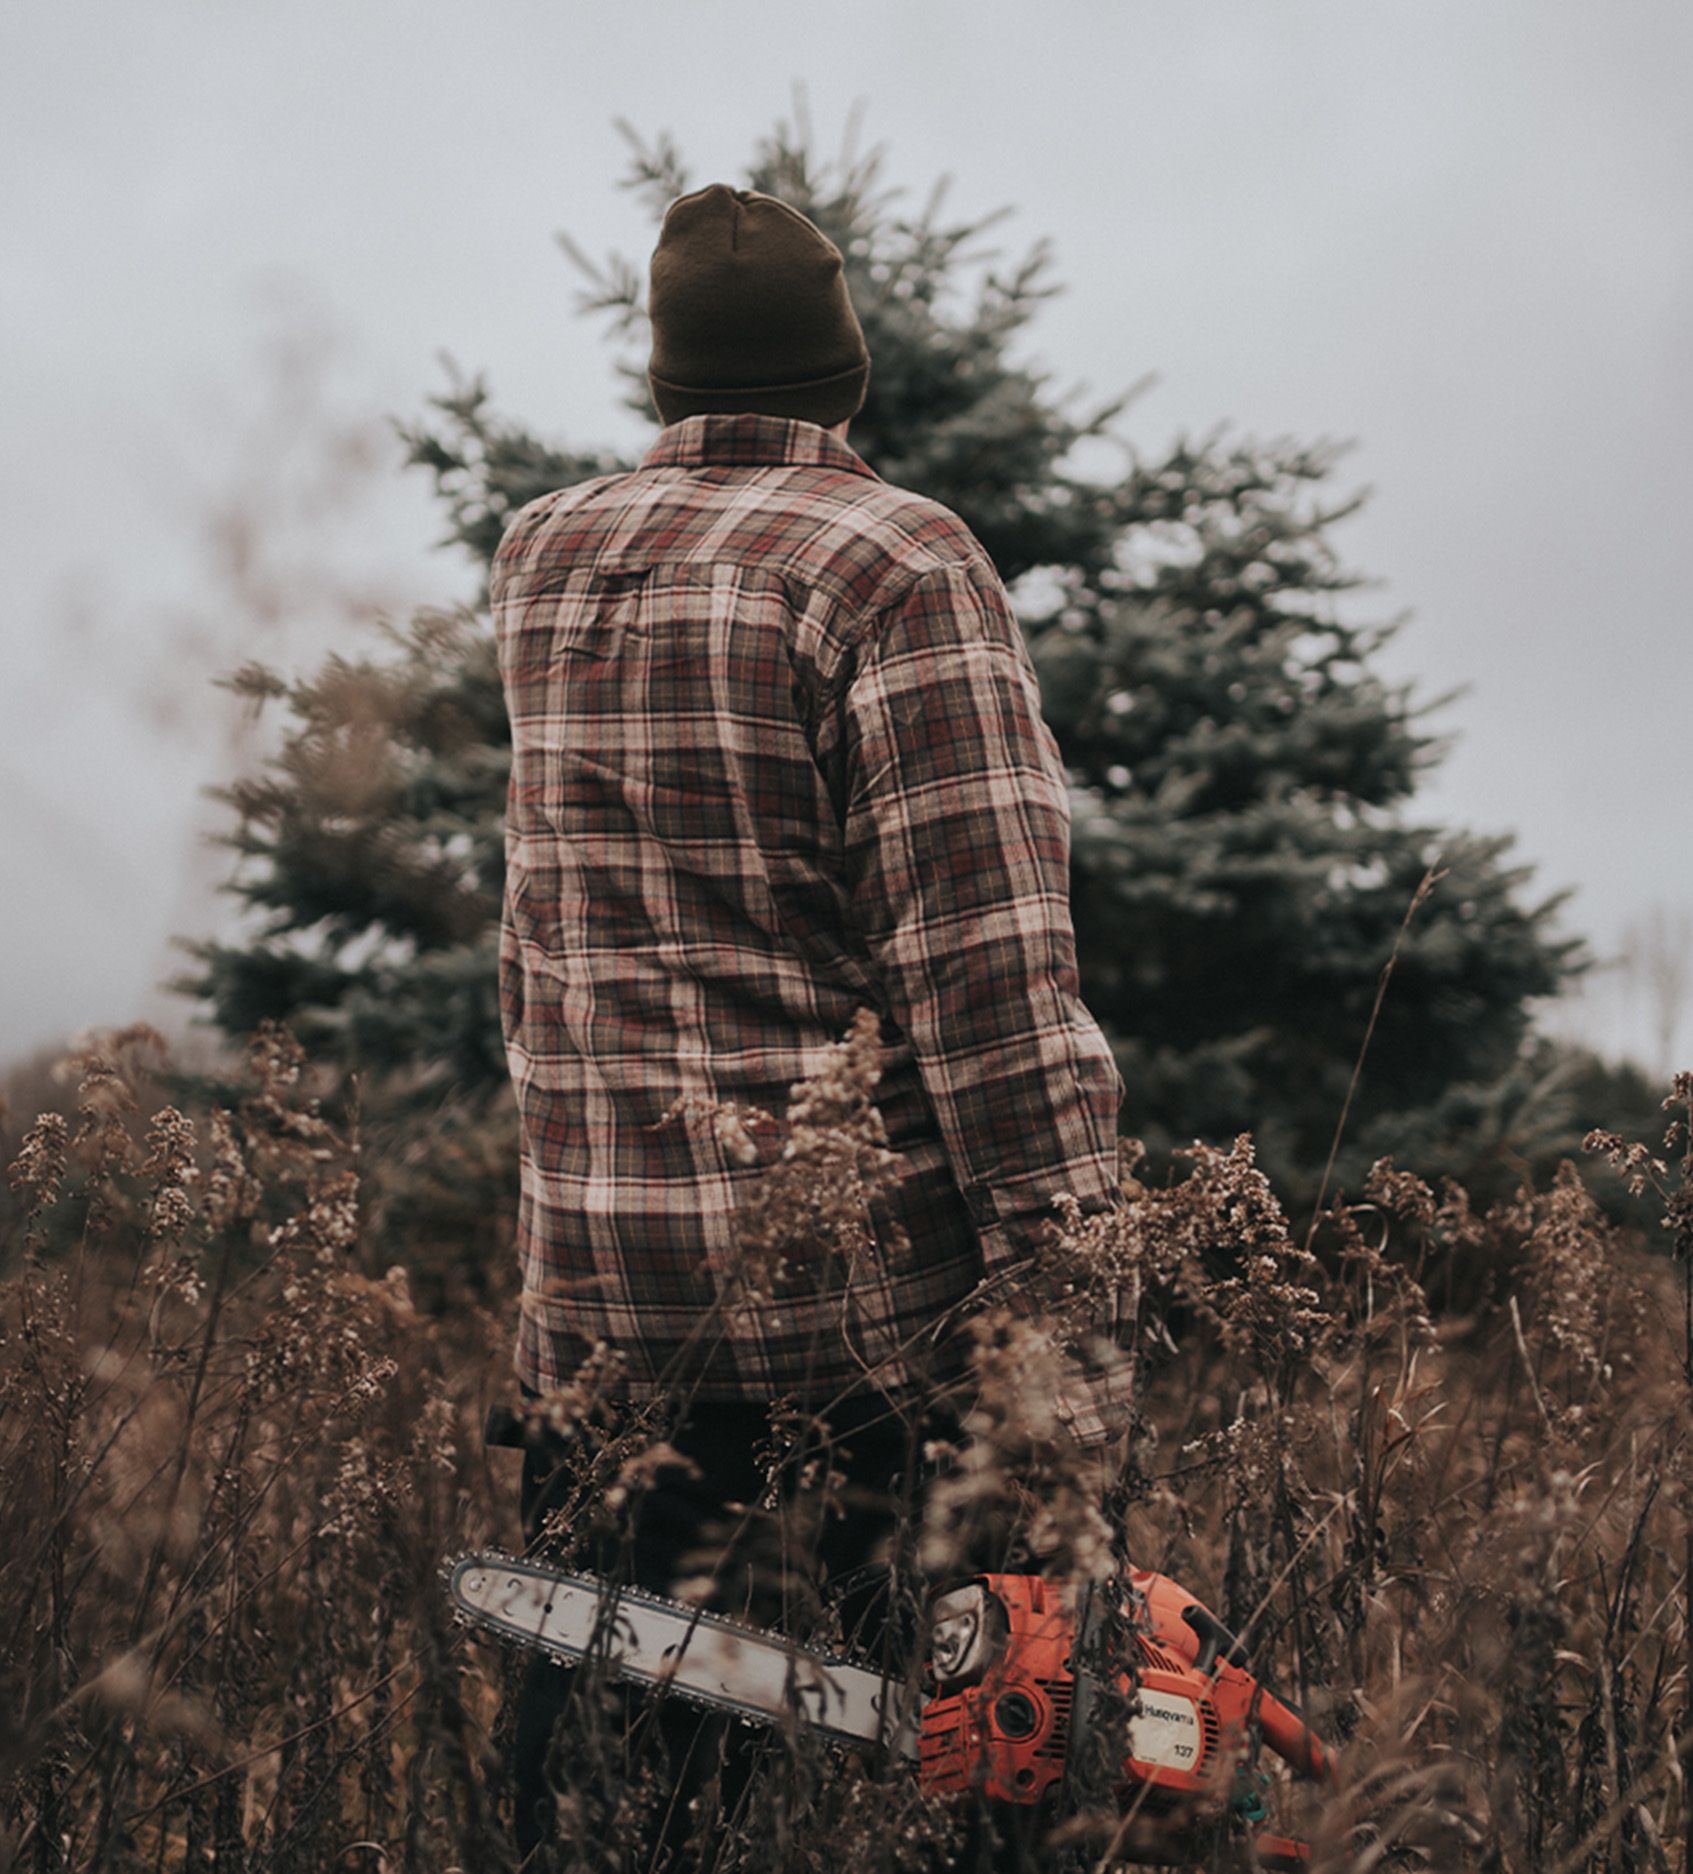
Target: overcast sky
{"type": "Point", "coordinates": [235, 238]}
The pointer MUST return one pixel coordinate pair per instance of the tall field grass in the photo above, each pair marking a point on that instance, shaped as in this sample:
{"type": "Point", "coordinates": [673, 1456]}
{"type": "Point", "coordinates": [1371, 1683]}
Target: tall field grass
{"type": "Point", "coordinates": [1438, 1465]}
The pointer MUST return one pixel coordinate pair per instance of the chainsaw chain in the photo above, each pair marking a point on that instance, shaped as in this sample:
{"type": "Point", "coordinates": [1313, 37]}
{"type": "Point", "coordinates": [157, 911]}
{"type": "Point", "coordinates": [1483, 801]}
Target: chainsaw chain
{"type": "Point", "coordinates": [762, 1638]}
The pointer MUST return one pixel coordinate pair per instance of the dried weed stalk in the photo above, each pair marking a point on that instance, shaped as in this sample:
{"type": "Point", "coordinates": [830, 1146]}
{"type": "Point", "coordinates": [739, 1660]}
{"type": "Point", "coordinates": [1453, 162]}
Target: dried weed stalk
{"type": "Point", "coordinates": [234, 1452]}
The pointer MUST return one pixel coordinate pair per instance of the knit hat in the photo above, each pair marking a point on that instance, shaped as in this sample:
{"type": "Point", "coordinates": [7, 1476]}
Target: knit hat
{"type": "Point", "coordinates": [750, 311]}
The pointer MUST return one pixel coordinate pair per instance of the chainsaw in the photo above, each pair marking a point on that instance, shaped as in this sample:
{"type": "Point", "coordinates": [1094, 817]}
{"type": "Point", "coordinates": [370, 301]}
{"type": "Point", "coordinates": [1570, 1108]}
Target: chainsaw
{"type": "Point", "coordinates": [1002, 1696]}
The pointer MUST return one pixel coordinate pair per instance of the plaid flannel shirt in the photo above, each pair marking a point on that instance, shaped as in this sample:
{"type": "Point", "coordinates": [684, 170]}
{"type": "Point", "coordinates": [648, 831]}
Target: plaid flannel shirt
{"type": "Point", "coordinates": [778, 754]}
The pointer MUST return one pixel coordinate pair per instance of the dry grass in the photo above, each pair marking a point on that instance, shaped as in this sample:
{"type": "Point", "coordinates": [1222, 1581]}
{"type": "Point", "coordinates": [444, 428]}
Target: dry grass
{"type": "Point", "coordinates": [233, 1456]}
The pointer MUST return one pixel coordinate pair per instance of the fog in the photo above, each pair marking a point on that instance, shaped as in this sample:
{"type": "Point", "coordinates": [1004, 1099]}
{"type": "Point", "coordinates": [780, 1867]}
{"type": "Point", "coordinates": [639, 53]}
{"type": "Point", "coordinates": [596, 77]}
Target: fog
{"type": "Point", "coordinates": [237, 239]}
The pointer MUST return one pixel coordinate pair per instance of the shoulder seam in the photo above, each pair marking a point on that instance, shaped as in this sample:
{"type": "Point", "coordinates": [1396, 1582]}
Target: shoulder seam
{"type": "Point", "coordinates": [530, 511]}
{"type": "Point", "coordinates": [865, 627]}
{"type": "Point", "coordinates": [967, 562]}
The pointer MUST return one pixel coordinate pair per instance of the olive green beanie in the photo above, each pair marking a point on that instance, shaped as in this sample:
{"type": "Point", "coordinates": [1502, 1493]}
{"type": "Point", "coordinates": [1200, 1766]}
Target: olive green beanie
{"type": "Point", "coordinates": [750, 311]}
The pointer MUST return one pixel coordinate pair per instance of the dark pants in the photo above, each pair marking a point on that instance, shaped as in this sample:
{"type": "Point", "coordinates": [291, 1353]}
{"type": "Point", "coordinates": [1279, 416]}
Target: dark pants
{"type": "Point", "coordinates": [868, 1443]}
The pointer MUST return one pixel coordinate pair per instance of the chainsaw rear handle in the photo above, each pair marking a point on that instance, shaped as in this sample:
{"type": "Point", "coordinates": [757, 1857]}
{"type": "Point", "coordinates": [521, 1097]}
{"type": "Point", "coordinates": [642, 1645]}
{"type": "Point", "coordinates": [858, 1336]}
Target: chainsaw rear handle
{"type": "Point", "coordinates": [1292, 1739]}
{"type": "Point", "coordinates": [1286, 1733]}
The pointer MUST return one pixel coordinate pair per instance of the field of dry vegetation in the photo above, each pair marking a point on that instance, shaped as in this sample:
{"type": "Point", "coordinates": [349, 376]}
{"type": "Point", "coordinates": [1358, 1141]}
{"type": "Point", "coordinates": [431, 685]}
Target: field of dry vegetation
{"type": "Point", "coordinates": [1436, 1463]}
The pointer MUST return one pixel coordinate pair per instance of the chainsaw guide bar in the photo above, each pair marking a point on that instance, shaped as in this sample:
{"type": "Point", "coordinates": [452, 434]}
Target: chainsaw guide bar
{"type": "Point", "coordinates": [704, 1657]}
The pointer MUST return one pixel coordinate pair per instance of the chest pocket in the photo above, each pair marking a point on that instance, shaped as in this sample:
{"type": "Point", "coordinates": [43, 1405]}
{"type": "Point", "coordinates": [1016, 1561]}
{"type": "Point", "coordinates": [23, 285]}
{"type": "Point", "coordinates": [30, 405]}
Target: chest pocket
{"type": "Point", "coordinates": [593, 612]}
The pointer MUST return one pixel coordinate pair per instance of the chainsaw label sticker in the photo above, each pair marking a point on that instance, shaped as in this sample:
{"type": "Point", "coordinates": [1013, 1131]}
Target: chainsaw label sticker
{"type": "Point", "coordinates": [1165, 1731]}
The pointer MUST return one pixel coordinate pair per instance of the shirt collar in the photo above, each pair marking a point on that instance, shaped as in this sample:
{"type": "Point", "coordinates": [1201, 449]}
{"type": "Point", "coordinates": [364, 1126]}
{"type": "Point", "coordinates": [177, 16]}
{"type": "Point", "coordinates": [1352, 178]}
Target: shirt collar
{"type": "Point", "coordinates": [748, 439]}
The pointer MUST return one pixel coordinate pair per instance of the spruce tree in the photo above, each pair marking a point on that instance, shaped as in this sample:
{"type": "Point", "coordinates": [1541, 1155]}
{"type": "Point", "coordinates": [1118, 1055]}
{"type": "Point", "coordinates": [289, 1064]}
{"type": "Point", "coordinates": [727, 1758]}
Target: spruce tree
{"type": "Point", "coordinates": [1244, 841]}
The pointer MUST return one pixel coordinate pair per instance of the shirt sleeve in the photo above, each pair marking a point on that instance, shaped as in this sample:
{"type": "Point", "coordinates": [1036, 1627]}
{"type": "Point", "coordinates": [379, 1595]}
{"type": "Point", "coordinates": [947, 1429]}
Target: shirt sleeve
{"type": "Point", "coordinates": [957, 862]}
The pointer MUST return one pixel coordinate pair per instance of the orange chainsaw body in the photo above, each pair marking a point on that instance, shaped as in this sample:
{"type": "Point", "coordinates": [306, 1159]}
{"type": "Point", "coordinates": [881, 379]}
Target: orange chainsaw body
{"type": "Point", "coordinates": [1005, 1734]}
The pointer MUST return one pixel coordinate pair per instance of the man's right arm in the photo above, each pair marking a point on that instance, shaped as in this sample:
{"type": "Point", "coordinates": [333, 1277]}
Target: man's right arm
{"type": "Point", "coordinates": [957, 857]}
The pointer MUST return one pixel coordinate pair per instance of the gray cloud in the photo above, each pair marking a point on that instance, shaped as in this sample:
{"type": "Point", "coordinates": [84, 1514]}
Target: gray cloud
{"type": "Point", "coordinates": [1456, 233]}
